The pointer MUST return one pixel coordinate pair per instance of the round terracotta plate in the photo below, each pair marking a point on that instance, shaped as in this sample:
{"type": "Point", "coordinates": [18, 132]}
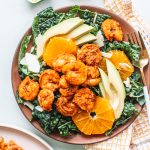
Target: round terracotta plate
{"type": "Point", "coordinates": [79, 138]}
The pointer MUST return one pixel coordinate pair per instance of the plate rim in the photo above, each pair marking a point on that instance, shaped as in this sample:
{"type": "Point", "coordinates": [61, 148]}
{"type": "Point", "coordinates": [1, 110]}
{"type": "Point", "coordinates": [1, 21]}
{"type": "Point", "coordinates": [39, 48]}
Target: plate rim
{"type": "Point", "coordinates": [27, 132]}
{"type": "Point", "coordinates": [50, 136]}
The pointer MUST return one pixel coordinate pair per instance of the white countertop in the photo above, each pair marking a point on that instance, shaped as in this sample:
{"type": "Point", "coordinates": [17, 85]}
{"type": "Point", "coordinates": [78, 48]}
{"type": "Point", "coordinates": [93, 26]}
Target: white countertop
{"type": "Point", "coordinates": [16, 17]}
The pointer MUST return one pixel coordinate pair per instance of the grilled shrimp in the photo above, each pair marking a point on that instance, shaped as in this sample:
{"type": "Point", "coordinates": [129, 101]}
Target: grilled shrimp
{"type": "Point", "coordinates": [49, 79]}
{"type": "Point", "coordinates": [85, 99]}
{"type": "Point", "coordinates": [93, 78]}
{"type": "Point", "coordinates": [66, 107]}
{"type": "Point", "coordinates": [112, 30]}
{"type": "Point", "coordinates": [68, 91]}
{"type": "Point", "coordinates": [61, 60]}
{"type": "Point", "coordinates": [28, 89]}
{"type": "Point", "coordinates": [46, 98]}
{"type": "Point", "coordinates": [75, 73]}
{"type": "Point", "coordinates": [90, 54]}
{"type": "Point", "coordinates": [65, 88]}
{"type": "Point", "coordinates": [63, 83]}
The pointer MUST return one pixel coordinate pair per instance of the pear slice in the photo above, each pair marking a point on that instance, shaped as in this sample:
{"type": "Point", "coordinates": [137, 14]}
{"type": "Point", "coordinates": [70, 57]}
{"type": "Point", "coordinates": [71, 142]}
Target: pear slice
{"type": "Point", "coordinates": [104, 94]}
{"type": "Point", "coordinates": [115, 79]}
{"type": "Point", "coordinates": [79, 31]}
{"type": "Point", "coordinates": [108, 92]}
{"type": "Point", "coordinates": [87, 38]}
{"type": "Point", "coordinates": [118, 86]}
{"type": "Point", "coordinates": [62, 28]}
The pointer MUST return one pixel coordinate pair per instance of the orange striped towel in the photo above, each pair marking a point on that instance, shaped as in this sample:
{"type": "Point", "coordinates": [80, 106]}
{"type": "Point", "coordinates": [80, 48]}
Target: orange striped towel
{"type": "Point", "coordinates": [137, 136]}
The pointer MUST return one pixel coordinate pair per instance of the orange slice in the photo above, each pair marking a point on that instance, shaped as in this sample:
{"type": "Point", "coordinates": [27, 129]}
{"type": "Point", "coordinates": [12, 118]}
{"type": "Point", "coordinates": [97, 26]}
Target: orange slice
{"type": "Point", "coordinates": [57, 46]}
{"type": "Point", "coordinates": [121, 62]}
{"type": "Point", "coordinates": [98, 121]}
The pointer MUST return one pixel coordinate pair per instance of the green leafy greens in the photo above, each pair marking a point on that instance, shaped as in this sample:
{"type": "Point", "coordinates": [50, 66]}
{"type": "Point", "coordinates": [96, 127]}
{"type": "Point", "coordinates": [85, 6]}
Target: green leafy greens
{"type": "Point", "coordinates": [23, 47]}
{"type": "Point", "coordinates": [94, 19]}
{"type": "Point", "coordinates": [96, 90]}
{"type": "Point", "coordinates": [53, 121]}
{"type": "Point", "coordinates": [19, 100]}
{"type": "Point", "coordinates": [48, 18]}
{"type": "Point", "coordinates": [135, 92]}
{"type": "Point", "coordinates": [132, 50]}
{"type": "Point", "coordinates": [128, 111]}
{"type": "Point", "coordinates": [22, 69]}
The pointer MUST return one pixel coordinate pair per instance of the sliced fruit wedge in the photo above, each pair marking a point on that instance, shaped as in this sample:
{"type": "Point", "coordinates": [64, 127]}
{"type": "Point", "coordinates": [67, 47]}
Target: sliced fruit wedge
{"type": "Point", "coordinates": [87, 38]}
{"type": "Point", "coordinates": [120, 61]}
{"type": "Point", "coordinates": [79, 31]}
{"type": "Point", "coordinates": [112, 88]}
{"type": "Point", "coordinates": [57, 46]}
{"type": "Point", "coordinates": [98, 121]}
{"type": "Point", "coordinates": [62, 28]}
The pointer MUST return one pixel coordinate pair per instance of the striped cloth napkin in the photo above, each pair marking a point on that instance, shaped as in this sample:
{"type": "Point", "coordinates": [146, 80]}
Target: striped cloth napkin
{"type": "Point", "coordinates": [137, 136]}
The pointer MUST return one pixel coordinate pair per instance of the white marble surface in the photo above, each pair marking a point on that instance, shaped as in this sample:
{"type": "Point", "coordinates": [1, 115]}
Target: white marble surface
{"type": "Point", "coordinates": [15, 18]}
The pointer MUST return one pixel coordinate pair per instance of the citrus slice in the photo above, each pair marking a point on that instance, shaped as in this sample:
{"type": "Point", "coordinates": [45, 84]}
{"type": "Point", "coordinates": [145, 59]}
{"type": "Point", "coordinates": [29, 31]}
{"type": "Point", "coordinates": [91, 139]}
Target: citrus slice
{"type": "Point", "coordinates": [121, 62]}
{"type": "Point", "coordinates": [57, 46]}
{"type": "Point", "coordinates": [98, 121]}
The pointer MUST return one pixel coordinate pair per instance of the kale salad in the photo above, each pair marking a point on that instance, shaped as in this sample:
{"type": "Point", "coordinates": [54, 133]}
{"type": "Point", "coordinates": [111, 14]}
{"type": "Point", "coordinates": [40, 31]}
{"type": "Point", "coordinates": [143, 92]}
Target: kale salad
{"type": "Point", "coordinates": [80, 76]}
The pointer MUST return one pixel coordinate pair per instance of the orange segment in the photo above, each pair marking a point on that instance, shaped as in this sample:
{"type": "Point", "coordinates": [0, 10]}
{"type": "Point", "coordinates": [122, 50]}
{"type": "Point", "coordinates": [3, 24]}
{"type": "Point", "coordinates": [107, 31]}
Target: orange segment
{"type": "Point", "coordinates": [98, 121]}
{"type": "Point", "coordinates": [57, 46]}
{"type": "Point", "coordinates": [121, 62]}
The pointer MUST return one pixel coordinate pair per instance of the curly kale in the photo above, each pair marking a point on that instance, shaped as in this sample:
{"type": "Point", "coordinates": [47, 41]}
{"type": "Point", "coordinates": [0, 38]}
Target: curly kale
{"type": "Point", "coordinates": [23, 47]}
{"type": "Point", "coordinates": [44, 20]}
{"type": "Point", "coordinates": [22, 69]}
{"type": "Point", "coordinates": [128, 111]}
{"type": "Point", "coordinates": [53, 121]}
{"type": "Point", "coordinates": [48, 121]}
{"type": "Point", "coordinates": [135, 92]}
{"type": "Point", "coordinates": [132, 50]}
{"type": "Point", "coordinates": [72, 12]}
{"type": "Point", "coordinates": [48, 18]}
{"type": "Point", "coordinates": [19, 100]}
{"type": "Point", "coordinates": [94, 19]}
{"type": "Point", "coordinates": [96, 90]}
{"type": "Point", "coordinates": [35, 27]}
{"type": "Point", "coordinates": [66, 126]}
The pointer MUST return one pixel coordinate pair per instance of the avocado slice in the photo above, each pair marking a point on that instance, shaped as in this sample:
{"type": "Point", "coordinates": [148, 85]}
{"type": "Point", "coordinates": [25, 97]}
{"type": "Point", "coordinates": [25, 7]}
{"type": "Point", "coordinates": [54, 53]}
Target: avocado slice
{"type": "Point", "coordinates": [112, 88]}
{"type": "Point", "coordinates": [104, 94]}
{"type": "Point", "coordinates": [79, 31]}
{"type": "Point", "coordinates": [86, 39]}
{"type": "Point", "coordinates": [64, 27]}
{"type": "Point", "coordinates": [108, 93]}
{"type": "Point", "coordinates": [117, 83]}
